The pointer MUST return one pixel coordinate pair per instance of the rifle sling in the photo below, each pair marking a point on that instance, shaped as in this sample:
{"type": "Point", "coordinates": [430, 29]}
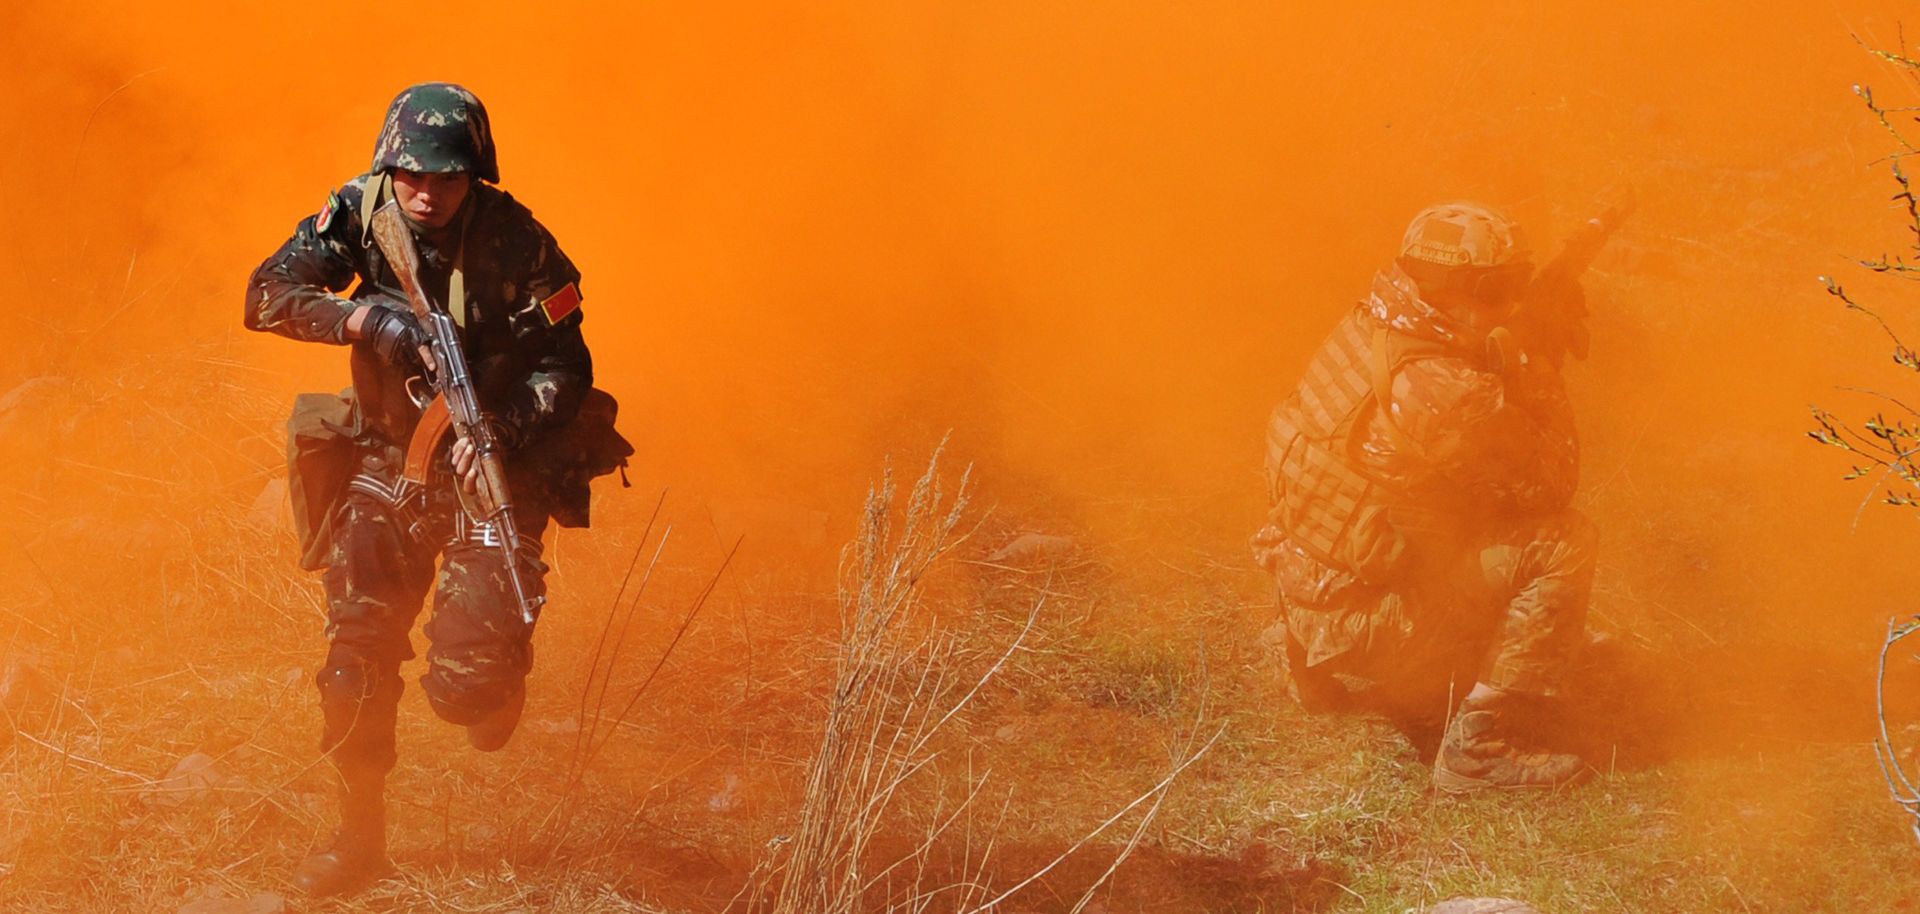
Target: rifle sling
{"type": "Point", "coordinates": [437, 419]}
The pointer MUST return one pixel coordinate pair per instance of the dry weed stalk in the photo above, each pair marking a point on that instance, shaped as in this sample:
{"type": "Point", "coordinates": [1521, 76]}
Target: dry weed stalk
{"type": "Point", "coordinates": [1899, 784]}
{"type": "Point", "coordinates": [899, 682]}
{"type": "Point", "coordinates": [886, 703]}
{"type": "Point", "coordinates": [595, 728]}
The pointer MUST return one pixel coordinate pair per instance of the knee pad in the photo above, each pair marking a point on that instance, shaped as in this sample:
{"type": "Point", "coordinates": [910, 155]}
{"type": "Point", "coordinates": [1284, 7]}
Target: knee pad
{"type": "Point", "coordinates": [345, 685]}
{"type": "Point", "coordinates": [357, 704]}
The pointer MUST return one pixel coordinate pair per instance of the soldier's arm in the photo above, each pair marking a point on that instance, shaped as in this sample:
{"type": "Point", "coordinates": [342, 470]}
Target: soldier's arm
{"type": "Point", "coordinates": [548, 326]}
{"type": "Point", "coordinates": [1504, 443]}
{"type": "Point", "coordinates": [295, 291]}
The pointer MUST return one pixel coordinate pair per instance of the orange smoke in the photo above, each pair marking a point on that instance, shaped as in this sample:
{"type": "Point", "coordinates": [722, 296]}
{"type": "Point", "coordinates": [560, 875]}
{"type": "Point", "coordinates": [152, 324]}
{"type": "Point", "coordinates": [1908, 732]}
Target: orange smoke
{"type": "Point", "coordinates": [1094, 240]}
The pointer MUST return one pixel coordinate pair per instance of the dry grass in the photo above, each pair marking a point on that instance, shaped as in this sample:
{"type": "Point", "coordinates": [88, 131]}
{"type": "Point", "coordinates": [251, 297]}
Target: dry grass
{"type": "Point", "coordinates": [156, 626]}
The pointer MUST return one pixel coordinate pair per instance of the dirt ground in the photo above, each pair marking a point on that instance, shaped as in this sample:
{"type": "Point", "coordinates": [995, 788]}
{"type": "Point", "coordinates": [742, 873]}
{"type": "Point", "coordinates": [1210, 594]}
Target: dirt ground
{"type": "Point", "coordinates": [1725, 792]}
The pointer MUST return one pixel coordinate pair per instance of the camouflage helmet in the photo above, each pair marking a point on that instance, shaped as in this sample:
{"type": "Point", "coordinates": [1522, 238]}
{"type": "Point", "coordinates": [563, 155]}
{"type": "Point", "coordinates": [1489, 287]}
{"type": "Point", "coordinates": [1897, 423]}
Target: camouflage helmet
{"type": "Point", "coordinates": [1464, 235]}
{"type": "Point", "coordinates": [437, 128]}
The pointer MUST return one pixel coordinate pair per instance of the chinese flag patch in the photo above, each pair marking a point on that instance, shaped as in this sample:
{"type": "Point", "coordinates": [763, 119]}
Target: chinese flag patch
{"type": "Point", "coordinates": [325, 218]}
{"type": "Point", "coordinates": [562, 303]}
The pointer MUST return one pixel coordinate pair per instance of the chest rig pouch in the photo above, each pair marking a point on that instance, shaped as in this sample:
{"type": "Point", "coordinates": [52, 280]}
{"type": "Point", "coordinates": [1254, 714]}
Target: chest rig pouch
{"type": "Point", "coordinates": [321, 462]}
{"type": "Point", "coordinates": [1324, 499]}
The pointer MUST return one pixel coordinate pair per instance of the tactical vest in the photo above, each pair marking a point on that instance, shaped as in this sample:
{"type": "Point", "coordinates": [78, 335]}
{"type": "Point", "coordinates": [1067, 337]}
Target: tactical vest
{"type": "Point", "coordinates": [1325, 498]}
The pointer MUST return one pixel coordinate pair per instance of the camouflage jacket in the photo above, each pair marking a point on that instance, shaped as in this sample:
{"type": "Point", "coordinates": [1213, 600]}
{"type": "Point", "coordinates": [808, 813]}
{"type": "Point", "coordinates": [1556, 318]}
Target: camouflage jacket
{"type": "Point", "coordinates": [1466, 441]}
{"type": "Point", "coordinates": [1401, 438]}
{"type": "Point", "coordinates": [1370, 489]}
{"type": "Point", "coordinates": [521, 328]}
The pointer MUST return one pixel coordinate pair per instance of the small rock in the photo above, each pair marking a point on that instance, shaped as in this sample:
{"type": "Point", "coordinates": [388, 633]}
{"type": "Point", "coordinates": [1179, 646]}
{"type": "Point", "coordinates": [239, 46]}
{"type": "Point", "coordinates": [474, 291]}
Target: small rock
{"type": "Point", "coordinates": [198, 778]}
{"type": "Point", "coordinates": [26, 694]}
{"type": "Point", "coordinates": [24, 686]}
{"type": "Point", "coordinates": [564, 725]}
{"type": "Point", "coordinates": [1483, 906]}
{"type": "Point", "coordinates": [262, 903]}
{"type": "Point", "coordinates": [36, 407]}
{"type": "Point", "coordinates": [1031, 547]}
{"type": "Point", "coordinates": [728, 799]}
{"type": "Point", "coordinates": [271, 510]}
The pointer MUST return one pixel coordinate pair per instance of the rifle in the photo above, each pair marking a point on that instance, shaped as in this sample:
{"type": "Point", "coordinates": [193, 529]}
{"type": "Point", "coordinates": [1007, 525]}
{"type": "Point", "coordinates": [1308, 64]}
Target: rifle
{"type": "Point", "coordinates": [455, 406]}
{"type": "Point", "coordinates": [1551, 321]}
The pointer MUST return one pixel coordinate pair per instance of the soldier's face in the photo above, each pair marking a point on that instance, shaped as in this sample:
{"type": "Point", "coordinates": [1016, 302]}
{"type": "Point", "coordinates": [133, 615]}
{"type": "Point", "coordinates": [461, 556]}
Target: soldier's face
{"type": "Point", "coordinates": [430, 199]}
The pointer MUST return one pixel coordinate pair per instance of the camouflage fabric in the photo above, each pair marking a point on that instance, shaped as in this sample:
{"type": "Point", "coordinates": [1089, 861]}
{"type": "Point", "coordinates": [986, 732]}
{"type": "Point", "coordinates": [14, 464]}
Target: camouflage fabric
{"type": "Point", "coordinates": [521, 329]}
{"type": "Point", "coordinates": [528, 357]}
{"type": "Point", "coordinates": [437, 128]}
{"type": "Point", "coordinates": [1464, 235]}
{"type": "Point", "coordinates": [1471, 473]}
{"type": "Point", "coordinates": [1462, 440]}
{"type": "Point", "coordinates": [1489, 745]}
{"type": "Point", "coordinates": [379, 571]}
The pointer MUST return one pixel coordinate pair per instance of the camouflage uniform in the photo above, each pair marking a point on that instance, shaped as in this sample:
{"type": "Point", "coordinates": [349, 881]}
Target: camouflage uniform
{"type": "Point", "coordinates": [1421, 533]}
{"type": "Point", "coordinates": [520, 326]}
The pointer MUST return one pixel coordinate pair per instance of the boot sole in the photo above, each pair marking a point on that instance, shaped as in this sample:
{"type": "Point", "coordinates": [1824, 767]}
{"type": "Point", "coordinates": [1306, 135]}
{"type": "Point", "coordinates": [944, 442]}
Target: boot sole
{"type": "Point", "coordinates": [1453, 783]}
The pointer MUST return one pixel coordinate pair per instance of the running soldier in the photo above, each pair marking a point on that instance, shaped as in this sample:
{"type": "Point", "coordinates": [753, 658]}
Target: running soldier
{"type": "Point", "coordinates": [375, 504]}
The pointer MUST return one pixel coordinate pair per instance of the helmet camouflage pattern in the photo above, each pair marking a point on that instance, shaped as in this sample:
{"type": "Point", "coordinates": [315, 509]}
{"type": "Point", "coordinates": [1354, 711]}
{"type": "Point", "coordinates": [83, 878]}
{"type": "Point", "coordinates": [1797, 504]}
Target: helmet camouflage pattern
{"type": "Point", "coordinates": [1464, 235]}
{"type": "Point", "coordinates": [437, 128]}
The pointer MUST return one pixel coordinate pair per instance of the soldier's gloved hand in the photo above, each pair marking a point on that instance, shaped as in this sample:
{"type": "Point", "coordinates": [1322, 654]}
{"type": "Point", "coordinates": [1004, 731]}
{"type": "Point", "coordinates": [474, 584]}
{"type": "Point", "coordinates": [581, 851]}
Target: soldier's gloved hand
{"type": "Point", "coordinates": [396, 338]}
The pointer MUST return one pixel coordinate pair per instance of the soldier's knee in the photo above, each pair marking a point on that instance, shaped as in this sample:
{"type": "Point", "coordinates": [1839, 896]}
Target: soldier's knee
{"type": "Point", "coordinates": [464, 686]}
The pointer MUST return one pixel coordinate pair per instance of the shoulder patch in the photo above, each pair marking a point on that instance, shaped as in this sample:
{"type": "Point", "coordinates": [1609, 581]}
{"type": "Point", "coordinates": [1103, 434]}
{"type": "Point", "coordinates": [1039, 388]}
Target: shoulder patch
{"type": "Point", "coordinates": [327, 212]}
{"type": "Point", "coordinates": [560, 304]}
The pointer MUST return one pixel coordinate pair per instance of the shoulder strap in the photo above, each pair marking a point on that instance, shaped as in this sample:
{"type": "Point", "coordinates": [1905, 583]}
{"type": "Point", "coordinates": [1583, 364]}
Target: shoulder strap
{"type": "Point", "coordinates": [370, 199]}
{"type": "Point", "coordinates": [1383, 393]}
{"type": "Point", "coordinates": [456, 278]}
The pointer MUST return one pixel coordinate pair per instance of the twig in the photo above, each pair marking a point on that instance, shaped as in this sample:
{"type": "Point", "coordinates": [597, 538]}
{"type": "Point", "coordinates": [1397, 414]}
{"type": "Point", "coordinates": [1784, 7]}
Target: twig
{"type": "Point", "coordinates": [1154, 792]}
{"type": "Point", "coordinates": [72, 757]}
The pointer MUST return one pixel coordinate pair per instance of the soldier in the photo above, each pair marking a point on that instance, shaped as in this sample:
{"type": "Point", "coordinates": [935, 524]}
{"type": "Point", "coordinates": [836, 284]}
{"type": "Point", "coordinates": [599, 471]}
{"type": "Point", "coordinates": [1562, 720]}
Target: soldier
{"type": "Point", "coordinates": [1429, 564]}
{"type": "Point", "coordinates": [516, 299]}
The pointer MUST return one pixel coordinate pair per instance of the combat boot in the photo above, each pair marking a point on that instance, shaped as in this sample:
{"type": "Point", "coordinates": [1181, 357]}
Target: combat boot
{"type": "Point", "coordinates": [1484, 749]}
{"type": "Point", "coordinates": [493, 731]}
{"type": "Point", "coordinates": [357, 856]}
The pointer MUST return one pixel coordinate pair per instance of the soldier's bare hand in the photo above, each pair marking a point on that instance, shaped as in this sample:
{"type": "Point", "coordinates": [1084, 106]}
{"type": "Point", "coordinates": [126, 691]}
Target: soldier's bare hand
{"type": "Point", "coordinates": [465, 466]}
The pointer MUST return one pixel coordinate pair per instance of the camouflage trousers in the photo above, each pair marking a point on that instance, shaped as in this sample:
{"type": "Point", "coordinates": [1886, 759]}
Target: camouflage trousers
{"type": "Point", "coordinates": [1506, 607]}
{"type": "Point", "coordinates": [380, 570]}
